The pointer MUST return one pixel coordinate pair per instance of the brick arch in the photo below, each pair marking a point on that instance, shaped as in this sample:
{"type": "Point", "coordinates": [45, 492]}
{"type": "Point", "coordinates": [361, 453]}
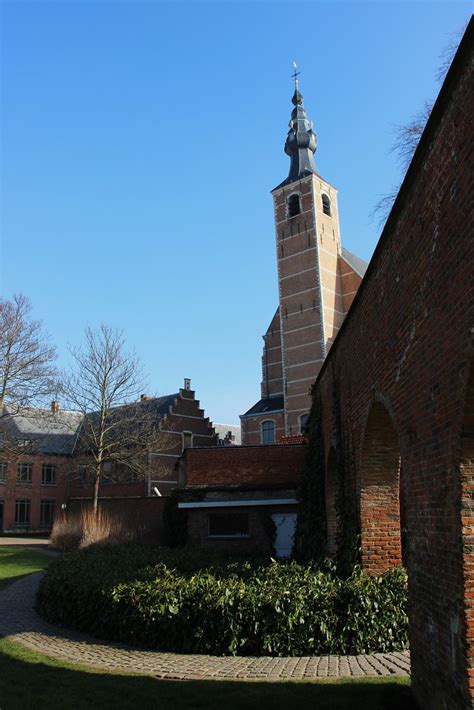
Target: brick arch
{"type": "Point", "coordinates": [381, 546]}
{"type": "Point", "coordinates": [330, 500]}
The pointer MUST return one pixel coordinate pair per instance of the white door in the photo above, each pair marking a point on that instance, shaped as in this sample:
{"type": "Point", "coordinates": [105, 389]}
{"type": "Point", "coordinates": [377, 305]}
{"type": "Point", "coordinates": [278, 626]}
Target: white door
{"type": "Point", "coordinates": [285, 532]}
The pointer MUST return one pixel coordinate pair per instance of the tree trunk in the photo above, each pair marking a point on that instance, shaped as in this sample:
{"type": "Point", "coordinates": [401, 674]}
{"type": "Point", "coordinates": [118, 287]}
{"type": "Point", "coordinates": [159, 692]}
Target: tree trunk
{"type": "Point", "coordinates": [95, 499]}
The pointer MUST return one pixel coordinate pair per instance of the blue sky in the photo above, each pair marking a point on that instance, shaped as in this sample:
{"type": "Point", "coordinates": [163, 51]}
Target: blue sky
{"type": "Point", "coordinates": [140, 141]}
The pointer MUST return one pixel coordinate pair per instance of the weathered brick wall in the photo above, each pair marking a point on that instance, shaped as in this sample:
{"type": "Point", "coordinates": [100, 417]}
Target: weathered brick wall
{"type": "Point", "coordinates": [245, 466]}
{"type": "Point", "coordinates": [398, 371]}
{"type": "Point", "coordinates": [144, 512]}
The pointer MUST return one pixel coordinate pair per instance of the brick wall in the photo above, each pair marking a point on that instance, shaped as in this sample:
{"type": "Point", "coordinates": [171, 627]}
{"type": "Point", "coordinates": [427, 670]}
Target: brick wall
{"type": "Point", "coordinates": [147, 512]}
{"type": "Point", "coordinates": [245, 466]}
{"type": "Point", "coordinates": [398, 371]}
{"type": "Point", "coordinates": [258, 541]}
{"type": "Point", "coordinates": [252, 427]}
{"type": "Point", "coordinates": [185, 415]}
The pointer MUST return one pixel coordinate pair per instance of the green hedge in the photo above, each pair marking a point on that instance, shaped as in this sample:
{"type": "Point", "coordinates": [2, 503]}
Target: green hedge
{"type": "Point", "coordinates": [188, 601]}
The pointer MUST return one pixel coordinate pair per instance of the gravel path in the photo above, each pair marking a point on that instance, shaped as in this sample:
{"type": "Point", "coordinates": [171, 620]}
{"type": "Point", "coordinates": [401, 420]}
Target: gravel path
{"type": "Point", "coordinates": [20, 623]}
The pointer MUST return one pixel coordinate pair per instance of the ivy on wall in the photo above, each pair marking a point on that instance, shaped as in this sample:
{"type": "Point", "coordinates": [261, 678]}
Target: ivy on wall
{"type": "Point", "coordinates": [311, 530]}
{"type": "Point", "coordinates": [175, 520]}
{"type": "Point", "coordinates": [311, 539]}
{"type": "Point", "coordinates": [348, 552]}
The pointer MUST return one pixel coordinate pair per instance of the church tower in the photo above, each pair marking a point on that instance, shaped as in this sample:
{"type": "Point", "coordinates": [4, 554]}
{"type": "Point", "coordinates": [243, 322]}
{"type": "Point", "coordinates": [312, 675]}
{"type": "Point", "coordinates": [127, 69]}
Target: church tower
{"type": "Point", "coordinates": [317, 281]}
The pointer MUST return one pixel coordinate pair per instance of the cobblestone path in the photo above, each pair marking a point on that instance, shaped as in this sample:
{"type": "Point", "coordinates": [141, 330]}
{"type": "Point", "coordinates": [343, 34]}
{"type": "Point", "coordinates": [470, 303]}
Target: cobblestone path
{"type": "Point", "coordinates": [20, 623]}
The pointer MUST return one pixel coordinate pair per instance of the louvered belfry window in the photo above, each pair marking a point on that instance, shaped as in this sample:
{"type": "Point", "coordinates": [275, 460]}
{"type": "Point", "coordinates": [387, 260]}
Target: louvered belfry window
{"type": "Point", "coordinates": [294, 206]}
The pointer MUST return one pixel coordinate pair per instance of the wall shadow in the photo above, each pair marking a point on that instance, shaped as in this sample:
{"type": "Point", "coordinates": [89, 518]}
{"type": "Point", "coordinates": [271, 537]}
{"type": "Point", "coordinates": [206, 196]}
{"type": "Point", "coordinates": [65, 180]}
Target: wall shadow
{"type": "Point", "coordinates": [29, 684]}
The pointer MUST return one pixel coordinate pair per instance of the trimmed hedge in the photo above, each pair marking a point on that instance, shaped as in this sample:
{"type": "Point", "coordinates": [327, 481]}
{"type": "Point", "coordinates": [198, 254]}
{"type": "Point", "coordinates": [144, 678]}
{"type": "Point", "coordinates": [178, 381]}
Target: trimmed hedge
{"type": "Point", "coordinates": [189, 601]}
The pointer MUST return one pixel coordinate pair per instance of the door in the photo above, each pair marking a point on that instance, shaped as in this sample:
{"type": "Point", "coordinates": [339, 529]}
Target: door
{"type": "Point", "coordinates": [285, 532]}
{"type": "Point", "coordinates": [2, 503]}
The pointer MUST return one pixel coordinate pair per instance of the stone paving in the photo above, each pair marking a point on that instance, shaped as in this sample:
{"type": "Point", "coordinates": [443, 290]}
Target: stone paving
{"type": "Point", "coordinates": [24, 541]}
{"type": "Point", "coordinates": [20, 623]}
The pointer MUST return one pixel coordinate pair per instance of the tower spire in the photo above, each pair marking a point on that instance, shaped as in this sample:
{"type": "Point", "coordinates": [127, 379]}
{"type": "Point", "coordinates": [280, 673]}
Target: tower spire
{"type": "Point", "coordinates": [295, 75]}
{"type": "Point", "coordinates": [301, 140]}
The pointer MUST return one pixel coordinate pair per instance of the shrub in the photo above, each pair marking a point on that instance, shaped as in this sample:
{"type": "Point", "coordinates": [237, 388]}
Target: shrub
{"type": "Point", "coordinates": [194, 601]}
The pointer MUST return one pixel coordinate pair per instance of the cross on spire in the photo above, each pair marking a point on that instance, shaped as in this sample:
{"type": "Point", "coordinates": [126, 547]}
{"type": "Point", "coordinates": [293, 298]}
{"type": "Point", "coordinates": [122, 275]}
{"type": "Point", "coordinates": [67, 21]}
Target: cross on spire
{"type": "Point", "coordinates": [295, 74]}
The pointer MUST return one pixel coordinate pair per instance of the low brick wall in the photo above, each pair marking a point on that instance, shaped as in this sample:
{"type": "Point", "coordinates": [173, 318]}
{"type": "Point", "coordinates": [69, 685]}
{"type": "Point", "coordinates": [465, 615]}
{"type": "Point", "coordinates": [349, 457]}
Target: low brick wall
{"type": "Point", "coordinates": [145, 511]}
{"type": "Point", "coordinates": [245, 466]}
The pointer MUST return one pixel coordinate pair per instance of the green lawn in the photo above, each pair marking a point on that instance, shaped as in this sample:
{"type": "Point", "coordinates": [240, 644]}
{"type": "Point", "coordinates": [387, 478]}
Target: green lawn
{"type": "Point", "coordinates": [16, 562]}
{"type": "Point", "coordinates": [33, 681]}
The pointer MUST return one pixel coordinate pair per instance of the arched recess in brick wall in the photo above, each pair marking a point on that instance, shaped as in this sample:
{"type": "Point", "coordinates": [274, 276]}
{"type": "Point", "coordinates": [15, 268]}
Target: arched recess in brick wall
{"type": "Point", "coordinates": [467, 511]}
{"type": "Point", "coordinates": [331, 492]}
{"type": "Point", "coordinates": [380, 493]}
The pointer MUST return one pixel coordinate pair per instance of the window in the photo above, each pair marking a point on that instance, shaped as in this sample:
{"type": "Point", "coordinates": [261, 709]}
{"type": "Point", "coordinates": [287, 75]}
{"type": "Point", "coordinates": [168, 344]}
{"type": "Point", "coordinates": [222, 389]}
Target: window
{"type": "Point", "coordinates": [326, 205]}
{"type": "Point", "coordinates": [268, 432]}
{"type": "Point", "coordinates": [106, 472]}
{"type": "Point", "coordinates": [46, 513]}
{"type": "Point", "coordinates": [3, 472]}
{"type": "Point", "coordinates": [84, 475]}
{"type": "Point", "coordinates": [48, 474]}
{"type": "Point", "coordinates": [294, 206]}
{"type": "Point", "coordinates": [187, 439]}
{"type": "Point", "coordinates": [22, 513]}
{"type": "Point", "coordinates": [304, 418]}
{"type": "Point", "coordinates": [228, 524]}
{"type": "Point", "coordinates": [24, 472]}
{"type": "Point", "coordinates": [124, 474]}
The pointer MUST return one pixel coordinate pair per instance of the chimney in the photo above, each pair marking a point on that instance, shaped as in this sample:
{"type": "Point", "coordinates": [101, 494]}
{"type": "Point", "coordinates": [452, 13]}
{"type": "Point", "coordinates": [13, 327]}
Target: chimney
{"type": "Point", "coordinates": [187, 384]}
{"type": "Point", "coordinates": [55, 406]}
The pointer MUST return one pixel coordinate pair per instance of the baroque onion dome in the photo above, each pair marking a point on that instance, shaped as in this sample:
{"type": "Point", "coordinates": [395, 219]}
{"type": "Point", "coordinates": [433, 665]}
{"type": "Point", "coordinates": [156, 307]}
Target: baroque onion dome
{"type": "Point", "coordinates": [300, 142]}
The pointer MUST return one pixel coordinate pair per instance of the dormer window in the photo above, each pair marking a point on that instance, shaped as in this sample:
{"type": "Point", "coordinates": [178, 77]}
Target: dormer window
{"type": "Point", "coordinates": [294, 205]}
{"type": "Point", "coordinates": [326, 205]}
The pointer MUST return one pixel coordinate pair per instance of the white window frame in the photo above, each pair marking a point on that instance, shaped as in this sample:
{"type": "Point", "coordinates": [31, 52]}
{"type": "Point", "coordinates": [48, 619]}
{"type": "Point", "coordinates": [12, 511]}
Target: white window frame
{"type": "Point", "coordinates": [325, 195]}
{"type": "Point", "coordinates": [300, 202]}
{"type": "Point", "coordinates": [305, 414]}
{"type": "Point", "coordinates": [267, 443]}
{"type": "Point", "coordinates": [53, 471]}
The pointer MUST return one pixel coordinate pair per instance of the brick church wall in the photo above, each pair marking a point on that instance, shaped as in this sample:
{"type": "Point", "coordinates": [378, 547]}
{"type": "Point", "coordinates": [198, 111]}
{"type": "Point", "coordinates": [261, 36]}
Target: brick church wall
{"type": "Point", "coordinates": [399, 370]}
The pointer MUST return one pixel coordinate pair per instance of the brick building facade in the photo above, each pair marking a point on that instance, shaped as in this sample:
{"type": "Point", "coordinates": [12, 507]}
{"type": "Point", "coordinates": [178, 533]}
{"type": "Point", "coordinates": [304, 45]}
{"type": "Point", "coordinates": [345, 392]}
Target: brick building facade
{"type": "Point", "coordinates": [181, 424]}
{"type": "Point", "coordinates": [244, 497]}
{"type": "Point", "coordinates": [35, 466]}
{"type": "Point", "coordinates": [40, 472]}
{"type": "Point", "coordinates": [317, 281]}
{"type": "Point", "coordinates": [396, 400]}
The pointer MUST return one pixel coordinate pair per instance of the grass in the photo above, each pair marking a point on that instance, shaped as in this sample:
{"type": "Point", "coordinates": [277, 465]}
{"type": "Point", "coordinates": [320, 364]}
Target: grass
{"type": "Point", "coordinates": [32, 681]}
{"type": "Point", "coordinates": [56, 684]}
{"type": "Point", "coordinates": [17, 562]}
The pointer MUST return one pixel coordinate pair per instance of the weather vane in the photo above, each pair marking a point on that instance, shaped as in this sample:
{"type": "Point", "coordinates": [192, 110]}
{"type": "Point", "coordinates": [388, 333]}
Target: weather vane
{"type": "Point", "coordinates": [295, 74]}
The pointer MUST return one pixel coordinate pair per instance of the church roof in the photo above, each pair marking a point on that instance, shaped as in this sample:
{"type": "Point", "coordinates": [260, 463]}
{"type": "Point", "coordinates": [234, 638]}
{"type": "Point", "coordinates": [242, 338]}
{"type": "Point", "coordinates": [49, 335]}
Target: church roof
{"type": "Point", "coordinates": [356, 263]}
{"type": "Point", "coordinates": [266, 406]}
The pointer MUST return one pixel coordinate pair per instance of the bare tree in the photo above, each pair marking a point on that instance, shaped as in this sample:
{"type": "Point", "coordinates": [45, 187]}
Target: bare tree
{"type": "Point", "coordinates": [406, 141]}
{"type": "Point", "coordinates": [27, 372]}
{"type": "Point", "coordinates": [117, 430]}
{"type": "Point", "coordinates": [407, 136]}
